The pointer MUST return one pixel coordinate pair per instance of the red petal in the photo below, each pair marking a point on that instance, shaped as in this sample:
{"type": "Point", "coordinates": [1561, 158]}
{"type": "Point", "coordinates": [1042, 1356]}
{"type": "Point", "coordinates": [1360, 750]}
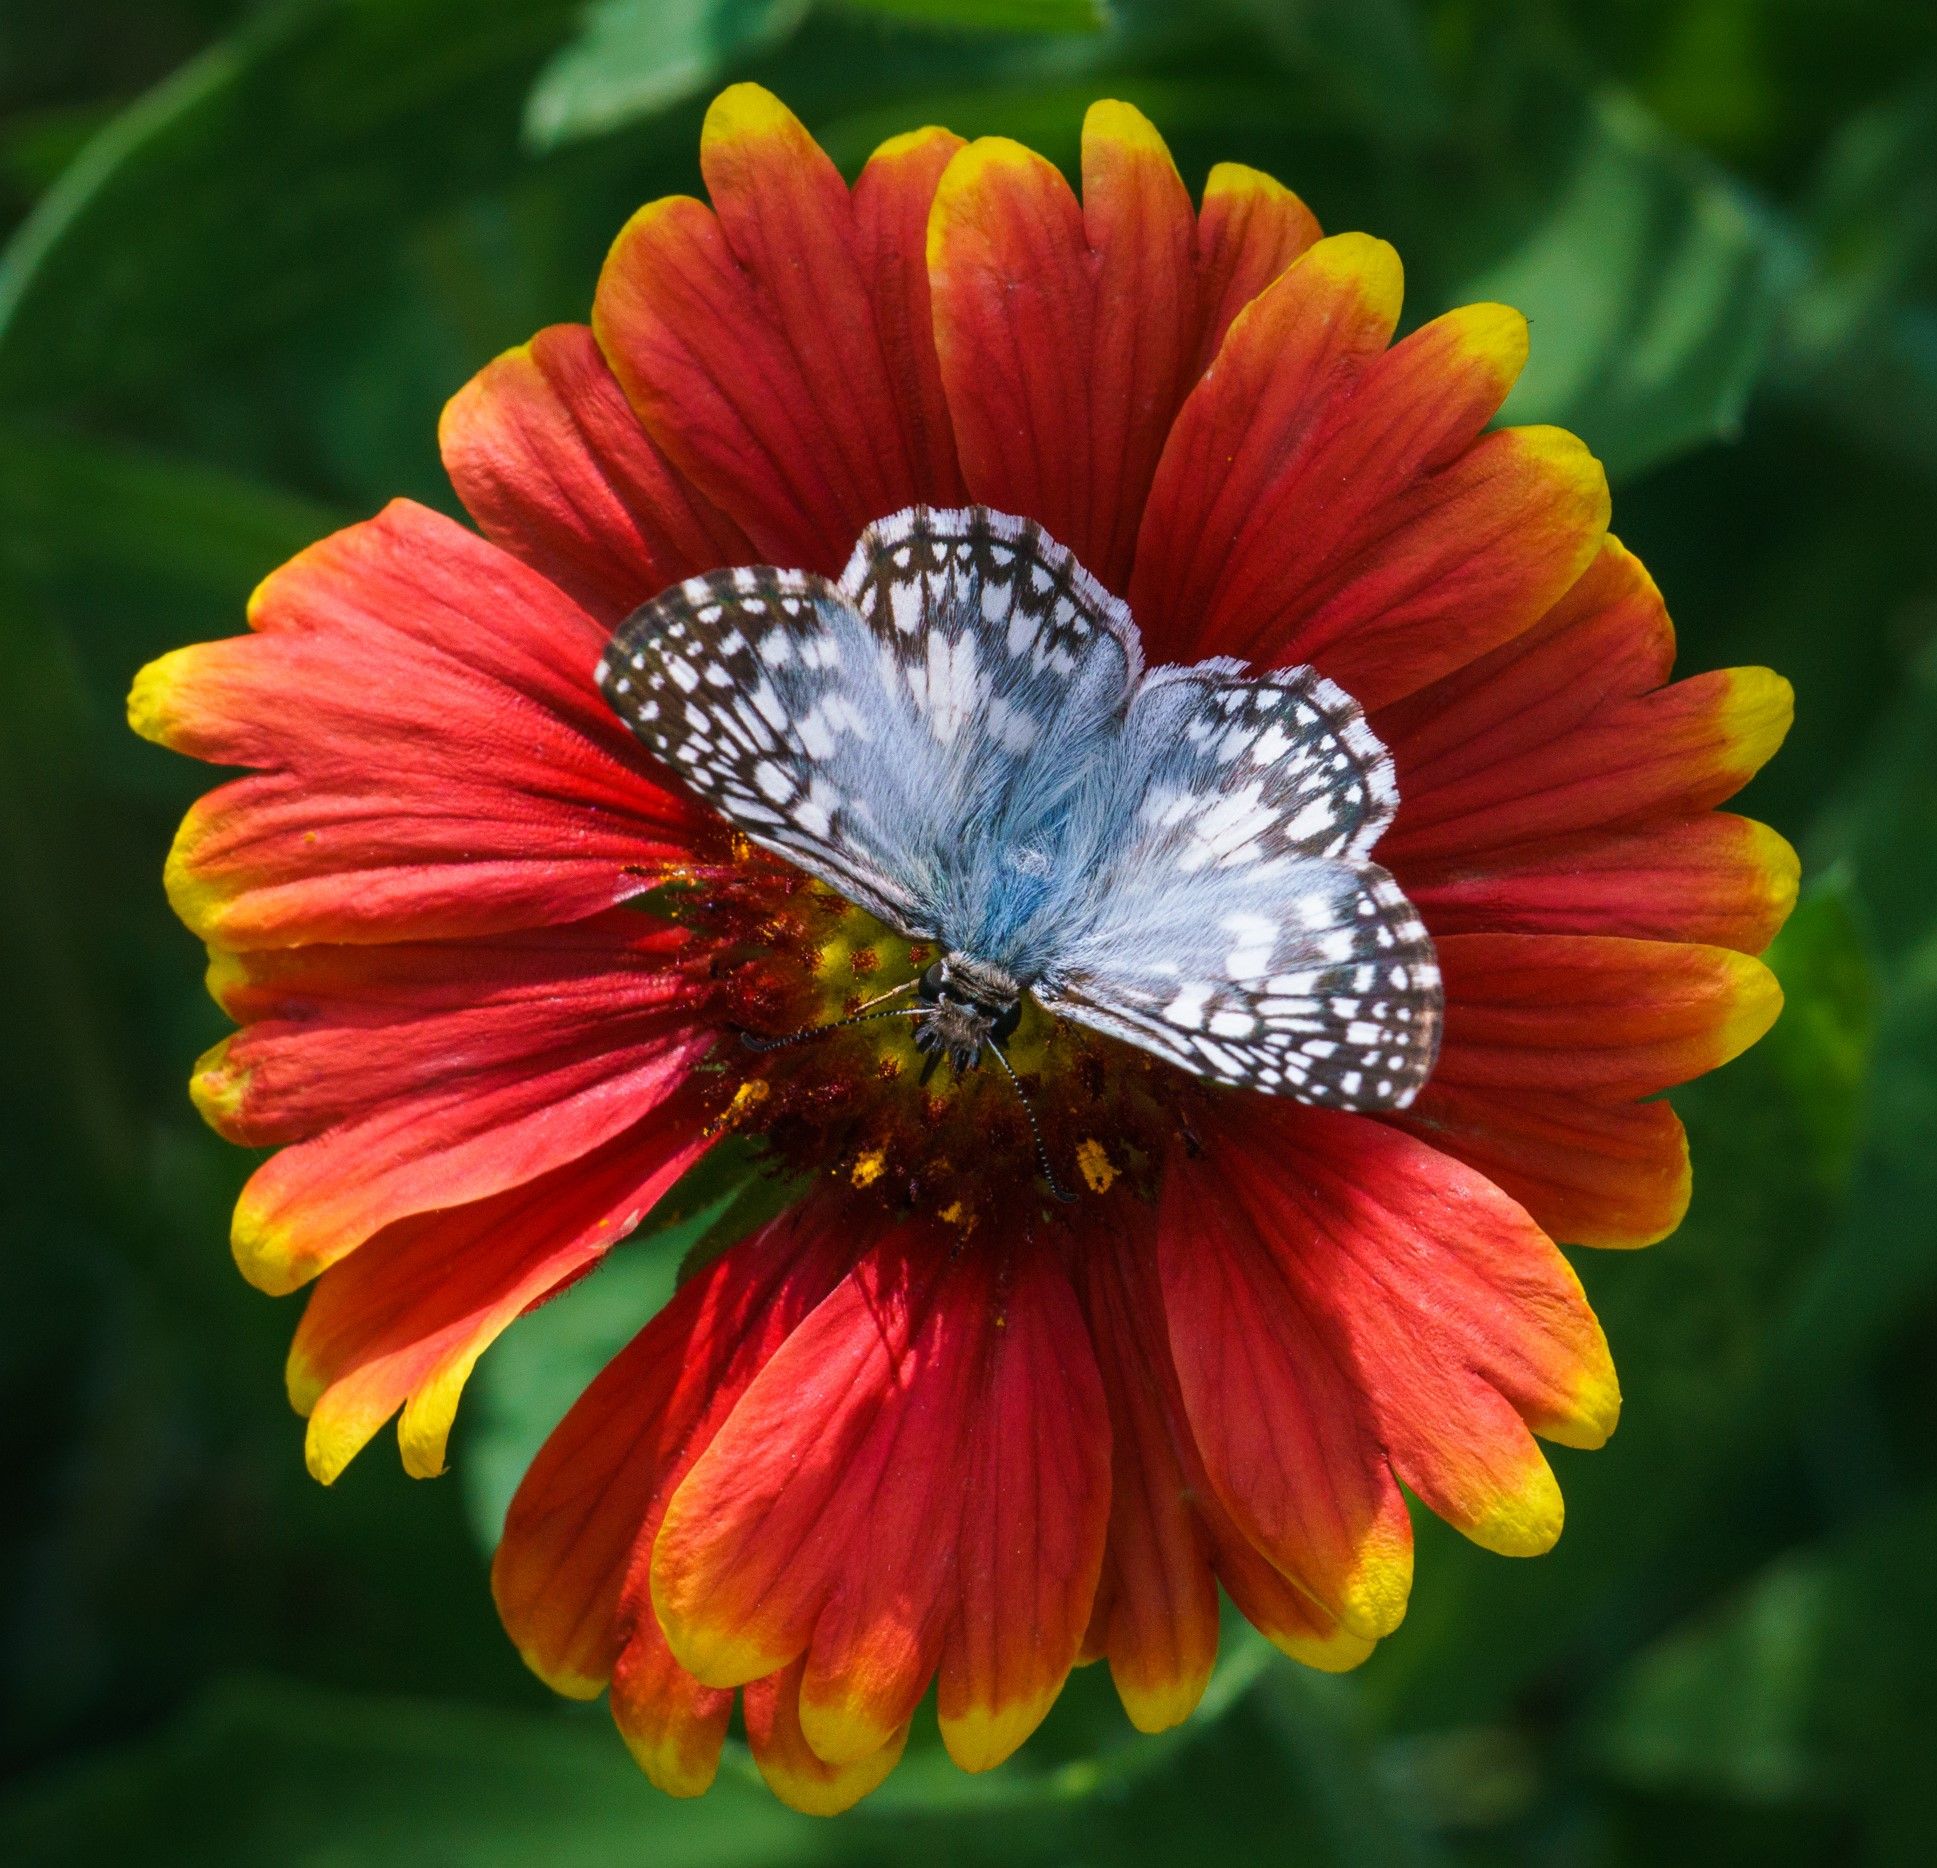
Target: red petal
{"type": "Point", "coordinates": [1068, 335]}
{"type": "Point", "coordinates": [433, 756]}
{"type": "Point", "coordinates": [1288, 358]}
{"type": "Point", "coordinates": [1460, 1319]}
{"type": "Point", "coordinates": [1324, 499]}
{"type": "Point", "coordinates": [550, 460]}
{"type": "Point", "coordinates": [749, 338]}
{"type": "Point", "coordinates": [1608, 1018]}
{"type": "Point", "coordinates": [1723, 880]}
{"type": "Point", "coordinates": [403, 1321]}
{"type": "Point", "coordinates": [793, 1770]}
{"type": "Point", "coordinates": [1157, 1606]}
{"type": "Point", "coordinates": [892, 198]}
{"type": "Point", "coordinates": [428, 1075]}
{"type": "Point", "coordinates": [825, 1510]}
{"type": "Point", "coordinates": [1590, 1173]}
{"type": "Point", "coordinates": [1034, 1513]}
{"type": "Point", "coordinates": [1276, 1414]}
{"type": "Point", "coordinates": [584, 1517]}
{"type": "Point", "coordinates": [1568, 729]}
{"type": "Point", "coordinates": [1249, 229]}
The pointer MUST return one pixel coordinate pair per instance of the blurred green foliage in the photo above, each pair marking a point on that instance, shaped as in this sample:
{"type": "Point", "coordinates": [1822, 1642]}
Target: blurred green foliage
{"type": "Point", "coordinates": [252, 247]}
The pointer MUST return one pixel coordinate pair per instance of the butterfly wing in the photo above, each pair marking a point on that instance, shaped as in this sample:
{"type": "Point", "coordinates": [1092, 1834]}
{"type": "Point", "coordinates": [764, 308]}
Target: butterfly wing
{"type": "Point", "coordinates": [1238, 929]}
{"type": "Point", "coordinates": [858, 727]}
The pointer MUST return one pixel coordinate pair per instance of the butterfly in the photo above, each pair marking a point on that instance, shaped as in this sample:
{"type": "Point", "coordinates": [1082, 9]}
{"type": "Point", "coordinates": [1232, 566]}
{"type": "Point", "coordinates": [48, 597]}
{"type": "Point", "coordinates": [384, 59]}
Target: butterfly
{"type": "Point", "coordinates": [960, 736]}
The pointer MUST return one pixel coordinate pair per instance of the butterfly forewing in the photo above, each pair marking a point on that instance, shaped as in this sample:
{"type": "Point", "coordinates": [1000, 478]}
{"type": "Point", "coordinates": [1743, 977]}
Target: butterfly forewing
{"type": "Point", "coordinates": [758, 687]}
{"type": "Point", "coordinates": [961, 665]}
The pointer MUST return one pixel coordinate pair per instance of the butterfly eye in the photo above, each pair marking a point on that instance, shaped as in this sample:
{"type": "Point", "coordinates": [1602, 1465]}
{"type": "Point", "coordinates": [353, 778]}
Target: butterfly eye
{"type": "Point", "coordinates": [933, 982]}
{"type": "Point", "coordinates": [1006, 1022]}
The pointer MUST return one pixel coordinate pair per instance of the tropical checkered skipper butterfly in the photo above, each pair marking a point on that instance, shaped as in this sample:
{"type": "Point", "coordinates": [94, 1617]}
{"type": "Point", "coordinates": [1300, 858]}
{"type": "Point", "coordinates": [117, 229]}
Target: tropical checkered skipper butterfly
{"type": "Point", "coordinates": [961, 737]}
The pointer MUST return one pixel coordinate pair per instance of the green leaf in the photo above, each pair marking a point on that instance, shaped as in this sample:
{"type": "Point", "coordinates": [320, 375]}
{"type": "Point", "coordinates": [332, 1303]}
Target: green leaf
{"type": "Point", "coordinates": [992, 15]}
{"type": "Point", "coordinates": [261, 1771]}
{"type": "Point", "coordinates": [257, 180]}
{"type": "Point", "coordinates": [634, 57]}
{"type": "Point", "coordinates": [1795, 1689]}
{"type": "Point", "coordinates": [1652, 286]}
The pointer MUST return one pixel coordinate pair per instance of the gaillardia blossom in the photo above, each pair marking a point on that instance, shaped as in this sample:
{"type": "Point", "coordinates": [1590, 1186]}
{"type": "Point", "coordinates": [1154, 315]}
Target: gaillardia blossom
{"type": "Point", "coordinates": [492, 960]}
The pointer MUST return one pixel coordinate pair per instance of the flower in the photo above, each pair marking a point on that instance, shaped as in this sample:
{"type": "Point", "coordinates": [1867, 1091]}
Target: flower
{"type": "Point", "coordinates": [487, 963]}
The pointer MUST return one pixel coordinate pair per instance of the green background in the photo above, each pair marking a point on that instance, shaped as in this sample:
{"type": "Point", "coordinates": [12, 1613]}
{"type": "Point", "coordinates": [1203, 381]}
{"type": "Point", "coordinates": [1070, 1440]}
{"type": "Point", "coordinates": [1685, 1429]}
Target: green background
{"type": "Point", "coordinates": [252, 248]}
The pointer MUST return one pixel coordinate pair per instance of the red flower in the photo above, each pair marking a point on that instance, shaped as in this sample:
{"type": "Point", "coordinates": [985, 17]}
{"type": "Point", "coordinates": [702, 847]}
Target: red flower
{"type": "Point", "coordinates": [924, 1428]}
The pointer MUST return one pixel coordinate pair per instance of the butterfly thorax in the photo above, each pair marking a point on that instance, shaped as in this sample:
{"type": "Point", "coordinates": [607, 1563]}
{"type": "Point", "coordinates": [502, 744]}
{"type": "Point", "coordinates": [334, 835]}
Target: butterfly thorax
{"type": "Point", "coordinates": [966, 1004]}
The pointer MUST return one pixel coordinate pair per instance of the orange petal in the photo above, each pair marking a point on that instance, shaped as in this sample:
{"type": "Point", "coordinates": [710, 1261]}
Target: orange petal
{"type": "Point", "coordinates": [1289, 356]}
{"type": "Point", "coordinates": [1723, 880]}
{"type": "Point", "coordinates": [388, 660]}
{"type": "Point", "coordinates": [1605, 1017]}
{"type": "Point", "coordinates": [748, 338]}
{"type": "Point", "coordinates": [403, 1321]}
{"type": "Point", "coordinates": [1589, 1172]}
{"type": "Point", "coordinates": [1568, 729]}
{"type": "Point", "coordinates": [1157, 1604]}
{"type": "Point", "coordinates": [794, 1771]}
{"type": "Point", "coordinates": [549, 459]}
{"type": "Point", "coordinates": [1282, 1426]}
{"type": "Point", "coordinates": [1249, 229]}
{"type": "Point", "coordinates": [1034, 1513]}
{"type": "Point", "coordinates": [582, 1520]}
{"type": "Point", "coordinates": [1458, 1317]}
{"type": "Point", "coordinates": [422, 1075]}
{"type": "Point", "coordinates": [1067, 333]}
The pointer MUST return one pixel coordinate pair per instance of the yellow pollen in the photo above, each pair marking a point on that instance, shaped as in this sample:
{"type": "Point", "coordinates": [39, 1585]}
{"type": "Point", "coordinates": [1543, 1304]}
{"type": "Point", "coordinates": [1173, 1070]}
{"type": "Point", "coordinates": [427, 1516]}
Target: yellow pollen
{"type": "Point", "coordinates": [955, 1213]}
{"type": "Point", "coordinates": [869, 1168]}
{"type": "Point", "coordinates": [750, 1095]}
{"type": "Point", "coordinates": [1096, 1166]}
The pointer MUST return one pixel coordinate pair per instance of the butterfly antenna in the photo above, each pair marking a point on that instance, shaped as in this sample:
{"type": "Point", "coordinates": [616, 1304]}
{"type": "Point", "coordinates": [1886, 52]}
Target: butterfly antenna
{"type": "Point", "coordinates": [860, 1016]}
{"type": "Point", "coordinates": [1035, 1128]}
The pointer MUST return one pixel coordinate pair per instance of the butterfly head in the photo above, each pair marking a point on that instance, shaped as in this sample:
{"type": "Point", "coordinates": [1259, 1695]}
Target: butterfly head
{"type": "Point", "coordinates": [965, 1005]}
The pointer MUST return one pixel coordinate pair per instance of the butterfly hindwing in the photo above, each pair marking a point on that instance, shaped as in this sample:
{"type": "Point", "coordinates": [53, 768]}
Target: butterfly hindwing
{"type": "Point", "coordinates": [1237, 927]}
{"type": "Point", "coordinates": [1322, 985]}
{"type": "Point", "coordinates": [1227, 770]}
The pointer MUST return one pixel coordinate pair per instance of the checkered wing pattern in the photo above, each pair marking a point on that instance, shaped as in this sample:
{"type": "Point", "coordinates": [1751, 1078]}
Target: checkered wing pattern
{"type": "Point", "coordinates": [1239, 929]}
{"type": "Point", "coordinates": [959, 671]}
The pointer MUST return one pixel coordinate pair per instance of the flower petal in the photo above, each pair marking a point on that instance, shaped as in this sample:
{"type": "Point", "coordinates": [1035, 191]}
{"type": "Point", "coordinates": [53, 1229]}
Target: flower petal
{"type": "Point", "coordinates": [749, 337]}
{"type": "Point", "coordinates": [1250, 227]}
{"type": "Point", "coordinates": [1276, 1415]}
{"type": "Point", "coordinates": [1460, 1318]}
{"type": "Point", "coordinates": [1723, 880]}
{"type": "Point", "coordinates": [1324, 499]}
{"type": "Point", "coordinates": [550, 460]}
{"type": "Point", "coordinates": [583, 1519]}
{"type": "Point", "coordinates": [433, 757]}
{"type": "Point", "coordinates": [1034, 1514]}
{"type": "Point", "coordinates": [404, 1320]}
{"type": "Point", "coordinates": [1605, 1017]}
{"type": "Point", "coordinates": [1568, 728]}
{"type": "Point", "coordinates": [1156, 1615]}
{"type": "Point", "coordinates": [892, 198]}
{"type": "Point", "coordinates": [824, 1512]}
{"type": "Point", "coordinates": [793, 1770]}
{"type": "Point", "coordinates": [422, 1075]}
{"type": "Point", "coordinates": [1067, 333]}
{"type": "Point", "coordinates": [1589, 1172]}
